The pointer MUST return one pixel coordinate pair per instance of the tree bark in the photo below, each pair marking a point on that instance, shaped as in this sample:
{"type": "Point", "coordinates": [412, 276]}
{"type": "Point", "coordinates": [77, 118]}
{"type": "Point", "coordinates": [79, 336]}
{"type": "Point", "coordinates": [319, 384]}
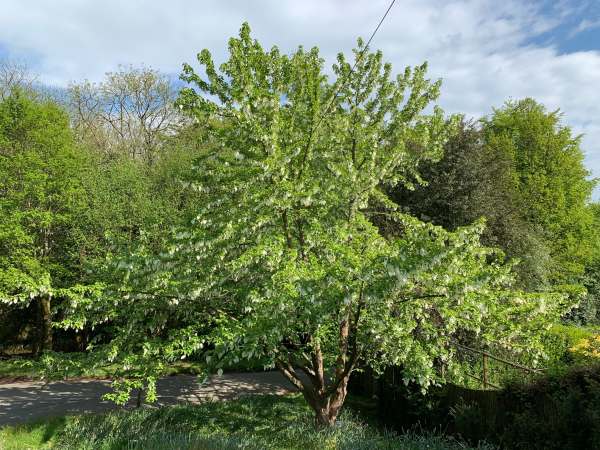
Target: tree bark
{"type": "Point", "coordinates": [325, 400]}
{"type": "Point", "coordinates": [138, 401]}
{"type": "Point", "coordinates": [45, 339]}
{"type": "Point", "coordinates": [327, 406]}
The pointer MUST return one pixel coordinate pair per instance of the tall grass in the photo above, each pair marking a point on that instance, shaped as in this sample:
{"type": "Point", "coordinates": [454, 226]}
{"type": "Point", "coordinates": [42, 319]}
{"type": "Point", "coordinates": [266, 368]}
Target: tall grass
{"type": "Point", "coordinates": [257, 422]}
{"type": "Point", "coordinates": [260, 422]}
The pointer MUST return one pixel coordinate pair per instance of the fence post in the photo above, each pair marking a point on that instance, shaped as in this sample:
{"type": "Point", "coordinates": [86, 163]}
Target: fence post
{"type": "Point", "coordinates": [485, 371]}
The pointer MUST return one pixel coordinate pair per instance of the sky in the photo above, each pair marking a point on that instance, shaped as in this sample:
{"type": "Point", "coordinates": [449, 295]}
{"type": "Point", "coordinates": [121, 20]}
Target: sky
{"type": "Point", "coordinates": [486, 51]}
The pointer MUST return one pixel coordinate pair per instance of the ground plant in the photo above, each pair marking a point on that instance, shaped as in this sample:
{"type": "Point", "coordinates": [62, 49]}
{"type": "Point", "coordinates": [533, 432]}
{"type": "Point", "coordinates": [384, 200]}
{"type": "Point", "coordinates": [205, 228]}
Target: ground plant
{"type": "Point", "coordinates": [263, 422]}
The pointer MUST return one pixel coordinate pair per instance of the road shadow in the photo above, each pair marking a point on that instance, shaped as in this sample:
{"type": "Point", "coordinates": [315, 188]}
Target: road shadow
{"type": "Point", "coordinates": [187, 389]}
{"type": "Point", "coordinates": [23, 402]}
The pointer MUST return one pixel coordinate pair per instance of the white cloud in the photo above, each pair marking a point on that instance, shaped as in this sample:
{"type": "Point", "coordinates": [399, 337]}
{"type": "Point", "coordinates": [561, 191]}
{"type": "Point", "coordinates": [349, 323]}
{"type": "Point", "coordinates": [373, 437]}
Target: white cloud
{"type": "Point", "coordinates": [482, 48]}
{"type": "Point", "coordinates": [584, 25]}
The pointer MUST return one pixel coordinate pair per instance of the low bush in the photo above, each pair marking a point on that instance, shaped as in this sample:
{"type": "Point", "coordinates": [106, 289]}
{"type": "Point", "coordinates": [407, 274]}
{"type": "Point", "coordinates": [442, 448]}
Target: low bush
{"type": "Point", "coordinates": [563, 346]}
{"type": "Point", "coordinates": [559, 410]}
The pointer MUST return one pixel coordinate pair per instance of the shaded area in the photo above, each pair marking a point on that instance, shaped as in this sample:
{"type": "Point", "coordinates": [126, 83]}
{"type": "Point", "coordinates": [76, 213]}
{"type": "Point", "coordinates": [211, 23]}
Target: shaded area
{"type": "Point", "coordinates": [37, 434]}
{"type": "Point", "coordinates": [26, 401]}
{"type": "Point", "coordinates": [187, 388]}
{"type": "Point", "coordinates": [257, 422]}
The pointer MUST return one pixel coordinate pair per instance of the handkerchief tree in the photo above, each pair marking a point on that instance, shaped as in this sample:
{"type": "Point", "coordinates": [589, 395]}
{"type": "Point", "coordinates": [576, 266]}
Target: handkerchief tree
{"type": "Point", "coordinates": [284, 262]}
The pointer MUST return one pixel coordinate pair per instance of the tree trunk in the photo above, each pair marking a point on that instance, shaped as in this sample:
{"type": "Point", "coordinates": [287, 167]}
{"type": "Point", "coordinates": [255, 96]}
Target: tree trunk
{"type": "Point", "coordinates": [138, 402]}
{"type": "Point", "coordinates": [327, 406]}
{"type": "Point", "coordinates": [45, 343]}
{"type": "Point", "coordinates": [325, 398]}
{"type": "Point", "coordinates": [323, 419]}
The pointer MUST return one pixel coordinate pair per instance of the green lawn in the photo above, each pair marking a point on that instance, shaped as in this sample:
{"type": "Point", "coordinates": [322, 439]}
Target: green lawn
{"type": "Point", "coordinates": [258, 422]}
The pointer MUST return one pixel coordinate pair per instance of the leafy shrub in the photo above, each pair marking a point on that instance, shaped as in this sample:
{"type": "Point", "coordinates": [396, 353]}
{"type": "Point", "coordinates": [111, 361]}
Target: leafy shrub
{"type": "Point", "coordinates": [558, 411]}
{"type": "Point", "coordinates": [588, 348]}
{"type": "Point", "coordinates": [564, 346]}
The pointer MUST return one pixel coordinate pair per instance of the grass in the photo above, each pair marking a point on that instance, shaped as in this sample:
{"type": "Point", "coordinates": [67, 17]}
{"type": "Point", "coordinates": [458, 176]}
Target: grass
{"type": "Point", "coordinates": [257, 422]}
{"type": "Point", "coordinates": [35, 435]}
{"type": "Point", "coordinates": [15, 368]}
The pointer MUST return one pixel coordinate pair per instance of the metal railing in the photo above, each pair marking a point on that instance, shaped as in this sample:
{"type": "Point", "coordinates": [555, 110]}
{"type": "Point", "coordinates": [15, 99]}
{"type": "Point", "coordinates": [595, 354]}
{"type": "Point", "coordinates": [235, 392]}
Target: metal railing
{"type": "Point", "coordinates": [486, 356]}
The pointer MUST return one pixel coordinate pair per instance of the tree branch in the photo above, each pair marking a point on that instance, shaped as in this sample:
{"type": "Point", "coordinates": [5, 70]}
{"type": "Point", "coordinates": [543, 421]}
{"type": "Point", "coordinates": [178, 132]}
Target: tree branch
{"type": "Point", "coordinates": [288, 371]}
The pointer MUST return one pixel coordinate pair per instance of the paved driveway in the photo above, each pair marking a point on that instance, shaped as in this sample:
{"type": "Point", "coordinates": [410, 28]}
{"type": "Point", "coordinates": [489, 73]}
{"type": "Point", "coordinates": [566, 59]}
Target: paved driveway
{"type": "Point", "coordinates": [25, 401]}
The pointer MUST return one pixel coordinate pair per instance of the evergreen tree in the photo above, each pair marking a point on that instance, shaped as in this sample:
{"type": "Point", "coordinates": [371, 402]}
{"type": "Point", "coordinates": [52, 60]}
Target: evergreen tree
{"type": "Point", "coordinates": [522, 171]}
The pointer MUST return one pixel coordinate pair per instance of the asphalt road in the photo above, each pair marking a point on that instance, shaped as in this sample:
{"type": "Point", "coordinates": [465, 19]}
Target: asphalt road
{"type": "Point", "coordinates": [26, 401]}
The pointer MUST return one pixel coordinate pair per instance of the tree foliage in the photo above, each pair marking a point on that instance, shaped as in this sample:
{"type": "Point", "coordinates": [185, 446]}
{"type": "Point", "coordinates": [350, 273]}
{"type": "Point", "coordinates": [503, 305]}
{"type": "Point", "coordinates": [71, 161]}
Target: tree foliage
{"type": "Point", "coordinates": [66, 208]}
{"type": "Point", "coordinates": [129, 113]}
{"type": "Point", "coordinates": [40, 195]}
{"type": "Point", "coordinates": [551, 181]}
{"type": "Point", "coordinates": [283, 262]}
{"type": "Point", "coordinates": [523, 171]}
{"type": "Point", "coordinates": [588, 312]}
{"type": "Point", "coordinates": [15, 75]}
{"type": "Point", "coordinates": [472, 181]}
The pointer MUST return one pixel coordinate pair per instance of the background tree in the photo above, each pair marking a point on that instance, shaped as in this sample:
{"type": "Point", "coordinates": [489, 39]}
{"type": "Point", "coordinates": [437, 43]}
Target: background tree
{"type": "Point", "coordinates": [128, 204]}
{"type": "Point", "coordinates": [40, 194]}
{"type": "Point", "coordinates": [15, 75]}
{"type": "Point", "coordinates": [588, 311]}
{"type": "Point", "coordinates": [497, 170]}
{"type": "Point", "coordinates": [88, 207]}
{"type": "Point", "coordinates": [474, 180]}
{"type": "Point", "coordinates": [130, 112]}
{"type": "Point", "coordinates": [551, 180]}
{"type": "Point", "coordinates": [282, 261]}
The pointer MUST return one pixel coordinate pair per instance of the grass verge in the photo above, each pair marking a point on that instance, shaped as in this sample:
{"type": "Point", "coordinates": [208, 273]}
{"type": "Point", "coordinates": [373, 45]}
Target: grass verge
{"type": "Point", "coordinates": [257, 422]}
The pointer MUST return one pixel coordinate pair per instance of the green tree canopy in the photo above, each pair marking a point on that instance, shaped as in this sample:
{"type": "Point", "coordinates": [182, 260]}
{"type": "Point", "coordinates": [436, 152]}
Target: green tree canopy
{"type": "Point", "coordinates": [39, 194]}
{"type": "Point", "coordinates": [588, 311]}
{"type": "Point", "coordinates": [551, 181]}
{"type": "Point", "coordinates": [523, 171]}
{"type": "Point", "coordinates": [472, 181]}
{"type": "Point", "coordinates": [282, 261]}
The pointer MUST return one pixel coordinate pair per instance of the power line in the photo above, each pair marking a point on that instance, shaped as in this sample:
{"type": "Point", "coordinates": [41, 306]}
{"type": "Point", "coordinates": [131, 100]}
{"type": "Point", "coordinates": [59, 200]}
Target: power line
{"type": "Point", "coordinates": [358, 59]}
